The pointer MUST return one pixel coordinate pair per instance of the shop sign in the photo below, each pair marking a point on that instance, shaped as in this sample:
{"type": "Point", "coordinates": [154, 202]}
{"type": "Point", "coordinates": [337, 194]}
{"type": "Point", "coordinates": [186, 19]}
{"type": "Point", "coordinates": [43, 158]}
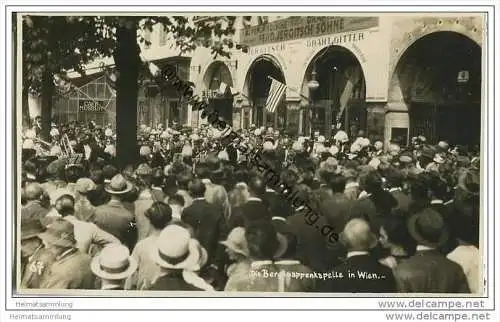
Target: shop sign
{"type": "Point", "coordinates": [91, 106]}
{"type": "Point", "coordinates": [293, 28]}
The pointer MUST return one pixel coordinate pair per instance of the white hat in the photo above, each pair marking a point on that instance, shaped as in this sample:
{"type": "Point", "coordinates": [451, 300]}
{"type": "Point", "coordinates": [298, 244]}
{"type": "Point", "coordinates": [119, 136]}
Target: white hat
{"type": "Point", "coordinates": [30, 134]}
{"type": "Point", "coordinates": [145, 150]}
{"type": "Point", "coordinates": [341, 136]}
{"type": "Point", "coordinates": [28, 144]}
{"type": "Point", "coordinates": [114, 263]}
{"type": "Point", "coordinates": [223, 155]}
{"type": "Point", "coordinates": [59, 192]}
{"type": "Point", "coordinates": [257, 132]}
{"type": "Point", "coordinates": [297, 146]}
{"type": "Point", "coordinates": [364, 142]}
{"type": "Point", "coordinates": [187, 150]}
{"type": "Point", "coordinates": [175, 243]}
{"type": "Point", "coordinates": [55, 150]}
{"type": "Point", "coordinates": [438, 158]}
{"type": "Point", "coordinates": [108, 132]}
{"type": "Point", "coordinates": [321, 139]}
{"type": "Point", "coordinates": [110, 149]}
{"type": "Point", "coordinates": [378, 145]}
{"type": "Point", "coordinates": [374, 163]}
{"type": "Point", "coordinates": [394, 148]}
{"type": "Point", "coordinates": [164, 135]}
{"type": "Point", "coordinates": [321, 149]}
{"type": "Point", "coordinates": [237, 242]}
{"type": "Point", "coordinates": [355, 147]}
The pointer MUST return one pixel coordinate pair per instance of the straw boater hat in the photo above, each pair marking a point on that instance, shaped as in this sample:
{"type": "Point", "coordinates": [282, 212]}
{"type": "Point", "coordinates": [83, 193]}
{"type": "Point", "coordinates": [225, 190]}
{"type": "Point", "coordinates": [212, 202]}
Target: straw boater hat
{"type": "Point", "coordinates": [237, 242]}
{"type": "Point", "coordinates": [118, 185]}
{"type": "Point", "coordinates": [113, 263]}
{"type": "Point", "coordinates": [175, 249]}
{"type": "Point", "coordinates": [59, 233]}
{"type": "Point", "coordinates": [428, 228]}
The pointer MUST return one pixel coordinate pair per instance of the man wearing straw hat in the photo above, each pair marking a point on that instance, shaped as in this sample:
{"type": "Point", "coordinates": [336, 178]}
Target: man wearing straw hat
{"type": "Point", "coordinates": [179, 257]}
{"type": "Point", "coordinates": [113, 217]}
{"type": "Point", "coordinates": [113, 266]}
{"type": "Point", "coordinates": [35, 258]}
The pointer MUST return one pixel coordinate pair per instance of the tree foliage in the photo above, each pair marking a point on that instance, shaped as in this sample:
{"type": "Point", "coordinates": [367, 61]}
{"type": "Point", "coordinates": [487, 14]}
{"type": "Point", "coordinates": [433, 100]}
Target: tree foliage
{"type": "Point", "coordinates": [56, 44]}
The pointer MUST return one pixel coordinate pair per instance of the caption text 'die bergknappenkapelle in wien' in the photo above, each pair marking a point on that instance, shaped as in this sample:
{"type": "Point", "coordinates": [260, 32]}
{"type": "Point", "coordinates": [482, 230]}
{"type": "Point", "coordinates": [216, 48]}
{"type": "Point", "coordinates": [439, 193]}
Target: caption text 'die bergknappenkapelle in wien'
{"type": "Point", "coordinates": [354, 274]}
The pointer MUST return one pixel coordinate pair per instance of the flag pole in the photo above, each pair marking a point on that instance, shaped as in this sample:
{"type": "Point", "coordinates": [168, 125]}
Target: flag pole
{"type": "Point", "coordinates": [293, 90]}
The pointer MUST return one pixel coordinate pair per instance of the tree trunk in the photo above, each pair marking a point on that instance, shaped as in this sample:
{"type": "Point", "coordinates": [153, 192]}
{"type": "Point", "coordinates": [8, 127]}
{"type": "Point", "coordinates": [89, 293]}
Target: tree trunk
{"type": "Point", "coordinates": [47, 94]}
{"type": "Point", "coordinates": [127, 62]}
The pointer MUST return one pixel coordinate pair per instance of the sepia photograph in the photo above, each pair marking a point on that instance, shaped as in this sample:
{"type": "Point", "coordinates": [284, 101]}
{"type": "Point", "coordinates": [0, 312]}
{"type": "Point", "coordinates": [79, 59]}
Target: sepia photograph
{"type": "Point", "coordinates": [250, 154]}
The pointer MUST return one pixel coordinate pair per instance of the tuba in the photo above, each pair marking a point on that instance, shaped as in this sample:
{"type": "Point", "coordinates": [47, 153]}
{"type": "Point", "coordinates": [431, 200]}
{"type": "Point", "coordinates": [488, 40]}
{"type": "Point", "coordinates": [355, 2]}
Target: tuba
{"type": "Point", "coordinates": [66, 148]}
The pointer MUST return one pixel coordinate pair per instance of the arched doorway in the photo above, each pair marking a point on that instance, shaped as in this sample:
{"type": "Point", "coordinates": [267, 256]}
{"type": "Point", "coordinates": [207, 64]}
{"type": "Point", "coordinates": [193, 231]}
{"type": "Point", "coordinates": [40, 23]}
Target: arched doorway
{"type": "Point", "coordinates": [339, 99]}
{"type": "Point", "coordinates": [259, 82]}
{"type": "Point", "coordinates": [218, 83]}
{"type": "Point", "coordinates": [440, 80]}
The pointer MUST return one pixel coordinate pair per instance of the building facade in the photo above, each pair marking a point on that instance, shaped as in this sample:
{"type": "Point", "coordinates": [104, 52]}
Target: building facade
{"type": "Point", "coordinates": [392, 77]}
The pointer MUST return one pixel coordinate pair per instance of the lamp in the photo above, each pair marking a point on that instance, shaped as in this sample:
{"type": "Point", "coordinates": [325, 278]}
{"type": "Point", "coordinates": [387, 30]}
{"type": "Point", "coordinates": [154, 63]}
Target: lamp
{"type": "Point", "coordinates": [233, 64]}
{"type": "Point", "coordinates": [313, 83]}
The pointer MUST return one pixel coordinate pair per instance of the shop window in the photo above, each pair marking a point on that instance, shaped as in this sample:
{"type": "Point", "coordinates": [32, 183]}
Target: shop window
{"type": "Point", "coordinates": [174, 113]}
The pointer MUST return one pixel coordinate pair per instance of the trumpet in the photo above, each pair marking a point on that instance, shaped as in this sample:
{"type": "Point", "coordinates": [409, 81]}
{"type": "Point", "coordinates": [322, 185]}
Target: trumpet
{"type": "Point", "coordinates": [66, 147]}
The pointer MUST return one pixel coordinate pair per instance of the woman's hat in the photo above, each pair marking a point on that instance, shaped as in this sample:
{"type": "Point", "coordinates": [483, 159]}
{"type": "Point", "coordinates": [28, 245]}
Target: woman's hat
{"type": "Point", "coordinates": [175, 249]}
{"type": "Point", "coordinates": [428, 228]}
{"type": "Point", "coordinates": [59, 233]}
{"type": "Point", "coordinates": [31, 228]}
{"type": "Point", "coordinates": [113, 263]}
{"type": "Point", "coordinates": [118, 185]}
{"type": "Point", "coordinates": [237, 242]}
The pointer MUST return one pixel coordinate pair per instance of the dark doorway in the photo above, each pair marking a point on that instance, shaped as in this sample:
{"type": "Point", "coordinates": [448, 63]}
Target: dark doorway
{"type": "Point", "coordinates": [440, 75]}
{"type": "Point", "coordinates": [340, 97]}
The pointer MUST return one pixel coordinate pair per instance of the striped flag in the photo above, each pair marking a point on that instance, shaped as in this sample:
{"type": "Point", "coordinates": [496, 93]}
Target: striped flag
{"type": "Point", "coordinates": [275, 95]}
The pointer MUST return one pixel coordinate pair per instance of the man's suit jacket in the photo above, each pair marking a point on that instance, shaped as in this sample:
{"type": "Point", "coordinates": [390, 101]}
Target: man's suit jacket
{"type": "Point", "coordinates": [402, 198]}
{"type": "Point", "coordinates": [278, 205]}
{"type": "Point", "coordinates": [208, 225]}
{"type": "Point", "coordinates": [361, 274]}
{"type": "Point", "coordinates": [430, 272]}
{"type": "Point", "coordinates": [252, 210]}
{"type": "Point", "coordinates": [115, 219]}
{"type": "Point", "coordinates": [315, 248]}
{"type": "Point", "coordinates": [34, 210]}
{"type": "Point", "coordinates": [336, 210]}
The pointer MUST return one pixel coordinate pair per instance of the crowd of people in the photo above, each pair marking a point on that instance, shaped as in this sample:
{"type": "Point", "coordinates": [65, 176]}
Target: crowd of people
{"type": "Point", "coordinates": [194, 214]}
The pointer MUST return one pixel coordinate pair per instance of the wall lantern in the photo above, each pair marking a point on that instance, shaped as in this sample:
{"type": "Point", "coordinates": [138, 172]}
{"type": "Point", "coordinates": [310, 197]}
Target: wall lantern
{"type": "Point", "coordinates": [313, 83]}
{"type": "Point", "coordinates": [195, 68]}
{"type": "Point", "coordinates": [463, 76]}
